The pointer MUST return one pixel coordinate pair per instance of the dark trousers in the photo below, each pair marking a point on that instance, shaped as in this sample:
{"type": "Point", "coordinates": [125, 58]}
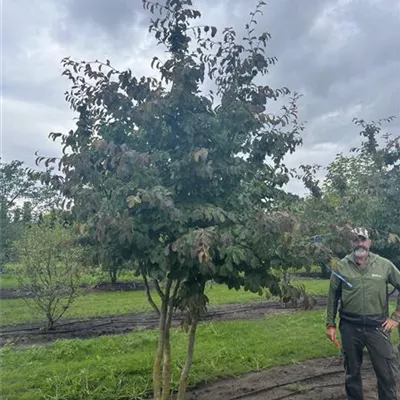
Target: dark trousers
{"type": "Point", "coordinates": [354, 338]}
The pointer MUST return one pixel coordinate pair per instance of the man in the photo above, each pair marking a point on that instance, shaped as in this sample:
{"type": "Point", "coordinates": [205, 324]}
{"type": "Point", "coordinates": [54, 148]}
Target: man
{"type": "Point", "coordinates": [360, 285]}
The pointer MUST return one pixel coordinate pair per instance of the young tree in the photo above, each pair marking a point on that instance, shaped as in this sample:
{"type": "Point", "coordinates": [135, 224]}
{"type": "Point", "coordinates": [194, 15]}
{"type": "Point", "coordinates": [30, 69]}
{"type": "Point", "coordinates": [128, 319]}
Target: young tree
{"type": "Point", "coordinates": [49, 268]}
{"type": "Point", "coordinates": [176, 180]}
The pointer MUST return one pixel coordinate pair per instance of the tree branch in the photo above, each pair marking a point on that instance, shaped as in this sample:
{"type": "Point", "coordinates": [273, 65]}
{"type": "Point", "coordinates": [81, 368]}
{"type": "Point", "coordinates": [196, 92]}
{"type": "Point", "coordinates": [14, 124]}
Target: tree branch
{"type": "Point", "coordinates": [148, 294]}
{"type": "Point", "coordinates": [158, 289]}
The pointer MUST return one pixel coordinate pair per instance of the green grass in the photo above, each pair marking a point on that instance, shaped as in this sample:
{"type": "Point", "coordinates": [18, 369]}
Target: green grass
{"type": "Point", "coordinates": [315, 287]}
{"type": "Point", "coordinates": [8, 279]}
{"type": "Point", "coordinates": [119, 367]}
{"type": "Point", "coordinates": [8, 282]}
{"type": "Point", "coordinates": [14, 311]}
{"type": "Point", "coordinates": [312, 269]}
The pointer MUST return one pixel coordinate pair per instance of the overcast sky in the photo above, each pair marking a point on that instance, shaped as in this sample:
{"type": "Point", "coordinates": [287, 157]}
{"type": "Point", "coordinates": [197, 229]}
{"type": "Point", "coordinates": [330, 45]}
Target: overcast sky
{"type": "Point", "coordinates": [342, 55]}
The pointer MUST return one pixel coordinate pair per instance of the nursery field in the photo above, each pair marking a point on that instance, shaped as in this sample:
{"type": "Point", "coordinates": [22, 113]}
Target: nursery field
{"type": "Point", "coordinates": [248, 347]}
{"type": "Point", "coordinates": [274, 357]}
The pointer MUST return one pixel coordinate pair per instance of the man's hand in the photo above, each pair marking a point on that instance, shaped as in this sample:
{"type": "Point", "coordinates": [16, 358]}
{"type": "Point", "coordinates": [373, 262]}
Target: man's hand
{"type": "Point", "coordinates": [331, 333]}
{"type": "Point", "coordinates": [389, 324]}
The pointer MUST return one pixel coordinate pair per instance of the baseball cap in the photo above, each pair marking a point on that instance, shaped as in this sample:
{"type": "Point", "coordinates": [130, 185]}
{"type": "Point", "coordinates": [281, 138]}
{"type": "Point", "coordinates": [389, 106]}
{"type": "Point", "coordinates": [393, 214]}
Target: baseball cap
{"type": "Point", "coordinates": [363, 232]}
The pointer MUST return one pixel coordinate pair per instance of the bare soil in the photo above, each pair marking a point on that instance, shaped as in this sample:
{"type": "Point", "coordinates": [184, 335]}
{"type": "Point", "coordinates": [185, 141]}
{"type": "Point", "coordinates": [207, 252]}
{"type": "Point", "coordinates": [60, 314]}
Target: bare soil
{"type": "Point", "coordinates": [29, 334]}
{"type": "Point", "coordinates": [321, 379]}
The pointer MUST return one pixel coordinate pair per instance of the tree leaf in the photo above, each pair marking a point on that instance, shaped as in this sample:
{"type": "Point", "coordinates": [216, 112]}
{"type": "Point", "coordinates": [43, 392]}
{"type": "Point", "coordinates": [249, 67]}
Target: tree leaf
{"type": "Point", "coordinates": [393, 238]}
{"type": "Point", "coordinates": [133, 201]}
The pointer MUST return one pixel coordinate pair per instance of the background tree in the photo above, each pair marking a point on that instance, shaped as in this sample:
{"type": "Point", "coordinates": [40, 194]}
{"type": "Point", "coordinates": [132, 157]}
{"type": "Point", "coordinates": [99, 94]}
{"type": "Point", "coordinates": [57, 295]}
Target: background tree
{"type": "Point", "coordinates": [22, 199]}
{"type": "Point", "coordinates": [360, 189]}
{"type": "Point", "coordinates": [178, 181]}
{"type": "Point", "coordinates": [6, 233]}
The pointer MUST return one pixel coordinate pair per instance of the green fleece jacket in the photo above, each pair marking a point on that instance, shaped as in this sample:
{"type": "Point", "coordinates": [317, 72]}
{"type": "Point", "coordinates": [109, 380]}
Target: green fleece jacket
{"type": "Point", "coordinates": [364, 300]}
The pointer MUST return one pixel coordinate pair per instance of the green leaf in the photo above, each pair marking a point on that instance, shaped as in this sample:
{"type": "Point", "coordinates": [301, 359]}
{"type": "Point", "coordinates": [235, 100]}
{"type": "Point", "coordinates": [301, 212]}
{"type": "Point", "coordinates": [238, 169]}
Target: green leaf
{"type": "Point", "coordinates": [392, 238]}
{"type": "Point", "coordinates": [133, 201]}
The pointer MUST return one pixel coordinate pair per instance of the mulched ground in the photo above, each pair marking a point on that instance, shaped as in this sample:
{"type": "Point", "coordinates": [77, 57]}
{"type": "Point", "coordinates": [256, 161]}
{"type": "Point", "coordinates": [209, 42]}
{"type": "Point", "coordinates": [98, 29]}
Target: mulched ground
{"type": "Point", "coordinates": [321, 379]}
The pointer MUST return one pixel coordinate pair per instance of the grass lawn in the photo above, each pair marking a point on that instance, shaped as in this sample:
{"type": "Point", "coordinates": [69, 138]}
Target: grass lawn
{"type": "Point", "coordinates": [14, 311]}
{"type": "Point", "coordinates": [315, 287]}
{"type": "Point", "coordinates": [8, 282]}
{"type": "Point", "coordinates": [119, 367]}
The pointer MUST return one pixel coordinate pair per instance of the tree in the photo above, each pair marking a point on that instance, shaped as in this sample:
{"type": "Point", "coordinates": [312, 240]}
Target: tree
{"type": "Point", "coordinates": [22, 197]}
{"type": "Point", "coordinates": [20, 185]}
{"type": "Point", "coordinates": [365, 184]}
{"type": "Point", "coordinates": [6, 233]}
{"type": "Point", "coordinates": [49, 268]}
{"type": "Point", "coordinates": [103, 252]}
{"type": "Point", "coordinates": [13, 186]}
{"type": "Point", "coordinates": [180, 182]}
{"type": "Point", "coordinates": [360, 189]}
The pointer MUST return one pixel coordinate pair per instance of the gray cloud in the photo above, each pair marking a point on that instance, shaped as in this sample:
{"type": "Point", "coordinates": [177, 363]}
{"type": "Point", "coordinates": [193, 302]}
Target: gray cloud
{"type": "Point", "coordinates": [343, 55]}
{"type": "Point", "coordinates": [112, 16]}
{"type": "Point", "coordinates": [110, 21]}
{"type": "Point", "coordinates": [350, 68]}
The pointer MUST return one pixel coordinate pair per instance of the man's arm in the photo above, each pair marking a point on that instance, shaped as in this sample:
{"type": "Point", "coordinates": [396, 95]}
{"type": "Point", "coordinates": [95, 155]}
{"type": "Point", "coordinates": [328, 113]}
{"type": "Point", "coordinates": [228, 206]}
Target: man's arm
{"type": "Point", "coordinates": [394, 280]}
{"type": "Point", "coordinates": [334, 294]}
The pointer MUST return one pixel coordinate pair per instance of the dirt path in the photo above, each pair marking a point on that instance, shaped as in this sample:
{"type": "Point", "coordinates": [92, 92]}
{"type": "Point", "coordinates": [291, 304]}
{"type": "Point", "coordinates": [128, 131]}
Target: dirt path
{"type": "Point", "coordinates": [321, 379]}
{"type": "Point", "coordinates": [28, 334]}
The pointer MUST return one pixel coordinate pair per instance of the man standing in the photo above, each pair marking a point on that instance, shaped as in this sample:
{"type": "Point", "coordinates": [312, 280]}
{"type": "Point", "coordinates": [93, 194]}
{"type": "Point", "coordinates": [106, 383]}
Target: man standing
{"type": "Point", "coordinates": [360, 286]}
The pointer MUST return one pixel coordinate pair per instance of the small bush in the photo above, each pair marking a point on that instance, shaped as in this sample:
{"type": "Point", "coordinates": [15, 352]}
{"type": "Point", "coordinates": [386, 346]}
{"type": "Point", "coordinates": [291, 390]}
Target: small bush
{"type": "Point", "coordinates": [49, 268]}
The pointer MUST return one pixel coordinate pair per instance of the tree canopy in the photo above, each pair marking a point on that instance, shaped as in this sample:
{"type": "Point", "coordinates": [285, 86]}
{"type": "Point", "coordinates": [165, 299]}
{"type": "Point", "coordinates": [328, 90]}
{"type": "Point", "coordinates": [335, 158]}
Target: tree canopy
{"type": "Point", "coordinates": [180, 181]}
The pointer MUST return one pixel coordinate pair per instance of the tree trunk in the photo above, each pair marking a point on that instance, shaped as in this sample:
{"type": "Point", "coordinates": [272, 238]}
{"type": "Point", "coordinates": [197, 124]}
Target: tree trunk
{"type": "Point", "coordinates": [160, 352]}
{"type": "Point", "coordinates": [50, 322]}
{"type": "Point", "coordinates": [166, 378]}
{"type": "Point", "coordinates": [166, 373]}
{"type": "Point", "coordinates": [158, 372]}
{"type": "Point", "coordinates": [183, 381]}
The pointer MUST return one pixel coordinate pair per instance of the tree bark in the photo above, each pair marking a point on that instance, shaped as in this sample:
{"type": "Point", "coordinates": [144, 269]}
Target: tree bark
{"type": "Point", "coordinates": [50, 323]}
{"type": "Point", "coordinates": [158, 367]}
{"type": "Point", "coordinates": [166, 378]}
{"type": "Point", "coordinates": [183, 381]}
{"type": "Point", "coordinates": [160, 352]}
{"type": "Point", "coordinates": [166, 373]}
